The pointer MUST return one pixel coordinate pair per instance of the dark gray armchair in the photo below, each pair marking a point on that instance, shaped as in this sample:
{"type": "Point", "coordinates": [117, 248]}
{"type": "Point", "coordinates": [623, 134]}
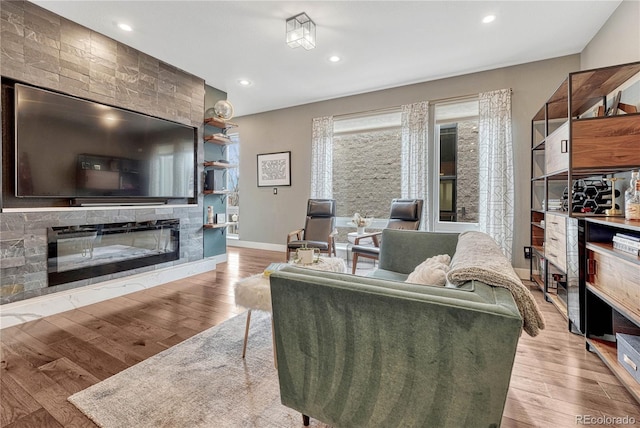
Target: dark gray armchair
{"type": "Point", "coordinates": [405, 214]}
{"type": "Point", "coordinates": [318, 229]}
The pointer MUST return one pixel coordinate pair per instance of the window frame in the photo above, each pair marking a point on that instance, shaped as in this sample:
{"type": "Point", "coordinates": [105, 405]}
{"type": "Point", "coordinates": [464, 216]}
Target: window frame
{"type": "Point", "coordinates": [436, 224]}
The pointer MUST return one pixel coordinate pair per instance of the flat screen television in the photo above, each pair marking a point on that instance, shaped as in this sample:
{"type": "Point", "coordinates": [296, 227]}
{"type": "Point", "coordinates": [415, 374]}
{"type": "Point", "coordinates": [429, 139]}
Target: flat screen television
{"type": "Point", "coordinates": [67, 147]}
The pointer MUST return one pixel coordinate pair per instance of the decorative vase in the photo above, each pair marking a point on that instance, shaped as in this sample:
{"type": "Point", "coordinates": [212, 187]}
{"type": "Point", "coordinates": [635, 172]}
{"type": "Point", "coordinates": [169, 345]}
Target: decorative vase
{"type": "Point", "coordinates": [361, 230]}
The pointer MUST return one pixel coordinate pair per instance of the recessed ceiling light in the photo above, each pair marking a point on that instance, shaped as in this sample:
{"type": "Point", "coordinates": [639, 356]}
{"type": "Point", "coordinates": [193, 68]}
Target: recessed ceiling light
{"type": "Point", "coordinates": [244, 82]}
{"type": "Point", "coordinates": [125, 27]}
{"type": "Point", "coordinates": [334, 58]}
{"type": "Point", "coordinates": [489, 18]}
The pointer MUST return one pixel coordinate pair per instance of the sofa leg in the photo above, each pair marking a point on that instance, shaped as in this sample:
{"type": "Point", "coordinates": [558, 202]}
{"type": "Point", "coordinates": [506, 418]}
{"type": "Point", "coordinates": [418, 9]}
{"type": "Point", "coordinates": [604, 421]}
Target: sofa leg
{"type": "Point", "coordinates": [305, 420]}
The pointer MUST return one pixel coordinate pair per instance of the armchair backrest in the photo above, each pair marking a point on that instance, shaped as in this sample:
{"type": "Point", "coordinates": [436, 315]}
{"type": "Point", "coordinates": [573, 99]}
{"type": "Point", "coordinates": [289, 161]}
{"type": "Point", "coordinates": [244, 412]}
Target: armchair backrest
{"type": "Point", "coordinates": [321, 219]}
{"type": "Point", "coordinates": [405, 214]}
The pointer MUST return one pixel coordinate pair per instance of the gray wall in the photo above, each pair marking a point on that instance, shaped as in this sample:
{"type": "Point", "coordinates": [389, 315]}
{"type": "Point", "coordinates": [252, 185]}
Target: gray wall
{"type": "Point", "coordinates": [267, 218]}
{"type": "Point", "coordinates": [618, 41]}
{"type": "Point", "coordinates": [43, 49]}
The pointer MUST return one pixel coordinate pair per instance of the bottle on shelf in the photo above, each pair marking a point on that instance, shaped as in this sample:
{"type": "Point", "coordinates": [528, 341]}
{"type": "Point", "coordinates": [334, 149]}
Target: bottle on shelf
{"type": "Point", "coordinates": [632, 209]}
{"type": "Point", "coordinates": [628, 194]}
{"type": "Point", "coordinates": [210, 214]}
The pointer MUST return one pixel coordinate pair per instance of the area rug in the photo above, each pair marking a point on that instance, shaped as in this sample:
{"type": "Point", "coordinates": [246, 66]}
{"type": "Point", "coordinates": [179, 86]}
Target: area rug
{"type": "Point", "coordinates": [201, 382]}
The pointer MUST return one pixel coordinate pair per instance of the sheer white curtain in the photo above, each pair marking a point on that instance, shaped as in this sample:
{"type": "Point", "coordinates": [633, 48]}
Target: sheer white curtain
{"type": "Point", "coordinates": [496, 179]}
{"type": "Point", "coordinates": [322, 158]}
{"type": "Point", "coordinates": [415, 156]}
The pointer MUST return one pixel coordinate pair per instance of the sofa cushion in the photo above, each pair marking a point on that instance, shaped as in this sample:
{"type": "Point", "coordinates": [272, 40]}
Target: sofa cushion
{"type": "Point", "coordinates": [432, 271]}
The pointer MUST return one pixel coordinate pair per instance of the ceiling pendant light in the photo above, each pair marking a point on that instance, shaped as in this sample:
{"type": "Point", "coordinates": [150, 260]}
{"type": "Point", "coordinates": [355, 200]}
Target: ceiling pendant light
{"type": "Point", "coordinates": [301, 31]}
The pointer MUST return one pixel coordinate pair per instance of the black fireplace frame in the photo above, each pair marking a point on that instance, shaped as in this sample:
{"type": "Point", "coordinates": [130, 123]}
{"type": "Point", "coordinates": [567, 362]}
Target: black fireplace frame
{"type": "Point", "coordinates": [53, 233]}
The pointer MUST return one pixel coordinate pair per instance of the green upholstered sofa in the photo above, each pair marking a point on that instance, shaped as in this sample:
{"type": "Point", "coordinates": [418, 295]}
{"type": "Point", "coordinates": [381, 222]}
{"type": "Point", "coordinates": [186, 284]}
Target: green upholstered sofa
{"type": "Point", "coordinates": [376, 352]}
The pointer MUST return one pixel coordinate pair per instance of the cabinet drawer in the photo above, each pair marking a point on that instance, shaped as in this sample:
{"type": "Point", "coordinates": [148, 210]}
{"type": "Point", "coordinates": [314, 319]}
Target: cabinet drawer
{"type": "Point", "coordinates": [557, 150]}
{"type": "Point", "coordinates": [556, 224]}
{"type": "Point", "coordinates": [617, 277]}
{"type": "Point", "coordinates": [555, 240]}
{"type": "Point", "coordinates": [556, 256]}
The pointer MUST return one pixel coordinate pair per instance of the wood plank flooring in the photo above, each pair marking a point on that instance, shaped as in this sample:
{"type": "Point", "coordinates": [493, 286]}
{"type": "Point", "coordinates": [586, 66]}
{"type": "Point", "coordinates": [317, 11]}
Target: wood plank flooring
{"type": "Point", "coordinates": [43, 362]}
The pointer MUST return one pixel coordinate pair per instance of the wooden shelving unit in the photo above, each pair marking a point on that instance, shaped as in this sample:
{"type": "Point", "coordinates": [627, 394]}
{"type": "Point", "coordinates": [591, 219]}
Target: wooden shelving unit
{"type": "Point", "coordinates": [573, 138]}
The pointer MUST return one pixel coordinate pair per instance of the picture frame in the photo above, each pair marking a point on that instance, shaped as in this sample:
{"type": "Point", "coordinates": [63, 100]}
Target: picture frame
{"type": "Point", "coordinates": [274, 169]}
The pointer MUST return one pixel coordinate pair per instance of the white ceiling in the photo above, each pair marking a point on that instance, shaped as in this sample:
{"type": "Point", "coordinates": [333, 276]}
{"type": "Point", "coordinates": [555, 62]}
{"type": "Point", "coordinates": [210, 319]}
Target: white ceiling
{"type": "Point", "coordinates": [382, 44]}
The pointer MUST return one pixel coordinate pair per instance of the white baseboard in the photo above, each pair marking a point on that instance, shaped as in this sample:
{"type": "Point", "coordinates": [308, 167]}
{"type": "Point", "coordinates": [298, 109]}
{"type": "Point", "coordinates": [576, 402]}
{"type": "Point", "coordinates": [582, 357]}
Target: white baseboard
{"type": "Point", "coordinates": [256, 245]}
{"type": "Point", "coordinates": [522, 273]}
{"type": "Point", "coordinates": [37, 307]}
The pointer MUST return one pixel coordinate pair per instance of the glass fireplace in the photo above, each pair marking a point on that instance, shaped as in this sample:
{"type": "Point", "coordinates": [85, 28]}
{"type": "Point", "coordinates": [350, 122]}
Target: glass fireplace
{"type": "Point", "coordinates": [88, 251]}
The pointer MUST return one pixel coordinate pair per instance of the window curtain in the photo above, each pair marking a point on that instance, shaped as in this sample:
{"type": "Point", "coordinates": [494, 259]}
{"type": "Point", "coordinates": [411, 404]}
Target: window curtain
{"type": "Point", "coordinates": [496, 178]}
{"type": "Point", "coordinates": [322, 158]}
{"type": "Point", "coordinates": [415, 156]}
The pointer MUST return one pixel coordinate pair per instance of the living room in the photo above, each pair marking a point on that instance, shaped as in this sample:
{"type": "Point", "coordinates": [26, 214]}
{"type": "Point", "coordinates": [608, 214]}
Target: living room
{"type": "Point", "coordinates": [264, 132]}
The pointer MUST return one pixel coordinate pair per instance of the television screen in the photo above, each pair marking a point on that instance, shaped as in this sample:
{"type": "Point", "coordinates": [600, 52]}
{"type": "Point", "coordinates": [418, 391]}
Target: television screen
{"type": "Point", "coordinates": [67, 147]}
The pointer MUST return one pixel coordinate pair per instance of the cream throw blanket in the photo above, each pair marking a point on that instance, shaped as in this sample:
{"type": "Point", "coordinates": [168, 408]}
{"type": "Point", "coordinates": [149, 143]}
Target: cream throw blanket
{"type": "Point", "coordinates": [479, 258]}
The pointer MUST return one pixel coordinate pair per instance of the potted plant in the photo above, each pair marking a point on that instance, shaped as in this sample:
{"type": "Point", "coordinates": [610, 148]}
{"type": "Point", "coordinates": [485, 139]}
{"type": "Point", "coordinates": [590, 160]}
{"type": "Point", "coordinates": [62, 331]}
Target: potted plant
{"type": "Point", "coordinates": [306, 255]}
{"type": "Point", "coordinates": [361, 222]}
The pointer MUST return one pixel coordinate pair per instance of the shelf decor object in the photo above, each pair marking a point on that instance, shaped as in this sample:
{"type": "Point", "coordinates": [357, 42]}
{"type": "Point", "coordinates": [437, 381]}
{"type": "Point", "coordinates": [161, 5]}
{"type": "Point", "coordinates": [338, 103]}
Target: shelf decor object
{"type": "Point", "coordinates": [274, 169]}
{"type": "Point", "coordinates": [614, 210]}
{"type": "Point", "coordinates": [223, 109]}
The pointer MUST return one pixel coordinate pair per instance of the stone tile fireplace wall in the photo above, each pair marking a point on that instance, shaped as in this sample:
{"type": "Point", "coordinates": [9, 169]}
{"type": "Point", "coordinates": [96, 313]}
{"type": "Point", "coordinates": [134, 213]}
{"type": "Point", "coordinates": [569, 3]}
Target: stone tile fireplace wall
{"type": "Point", "coordinates": [43, 49]}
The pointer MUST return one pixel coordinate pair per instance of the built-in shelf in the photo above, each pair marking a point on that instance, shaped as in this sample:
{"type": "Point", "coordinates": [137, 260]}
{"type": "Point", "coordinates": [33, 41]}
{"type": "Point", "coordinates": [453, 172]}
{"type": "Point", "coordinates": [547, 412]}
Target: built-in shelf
{"type": "Point", "coordinates": [560, 305]}
{"type": "Point", "coordinates": [218, 139]}
{"type": "Point", "coordinates": [219, 123]}
{"type": "Point", "coordinates": [216, 164]}
{"type": "Point", "coordinates": [607, 248]}
{"type": "Point", "coordinates": [216, 192]}
{"type": "Point", "coordinates": [608, 352]}
{"type": "Point", "coordinates": [215, 225]}
{"type": "Point", "coordinates": [625, 308]}
{"type": "Point", "coordinates": [538, 280]}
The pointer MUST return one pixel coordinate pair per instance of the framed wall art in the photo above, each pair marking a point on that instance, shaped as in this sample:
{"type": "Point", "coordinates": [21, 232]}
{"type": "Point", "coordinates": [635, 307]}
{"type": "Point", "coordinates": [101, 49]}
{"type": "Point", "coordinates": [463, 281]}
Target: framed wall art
{"type": "Point", "coordinates": [274, 169]}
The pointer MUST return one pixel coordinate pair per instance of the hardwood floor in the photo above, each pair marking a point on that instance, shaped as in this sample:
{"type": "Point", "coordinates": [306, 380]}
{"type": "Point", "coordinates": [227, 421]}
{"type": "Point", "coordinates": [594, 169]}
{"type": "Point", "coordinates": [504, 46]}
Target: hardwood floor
{"type": "Point", "coordinates": [44, 361]}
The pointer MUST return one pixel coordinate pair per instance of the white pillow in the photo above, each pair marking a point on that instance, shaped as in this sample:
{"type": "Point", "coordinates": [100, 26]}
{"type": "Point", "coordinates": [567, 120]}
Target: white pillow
{"type": "Point", "coordinates": [432, 271]}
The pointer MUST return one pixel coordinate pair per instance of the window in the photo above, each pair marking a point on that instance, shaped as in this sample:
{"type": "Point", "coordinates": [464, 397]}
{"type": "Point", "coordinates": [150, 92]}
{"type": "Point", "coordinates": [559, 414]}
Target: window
{"type": "Point", "coordinates": [366, 166]}
{"type": "Point", "coordinates": [233, 176]}
{"type": "Point", "coordinates": [456, 154]}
